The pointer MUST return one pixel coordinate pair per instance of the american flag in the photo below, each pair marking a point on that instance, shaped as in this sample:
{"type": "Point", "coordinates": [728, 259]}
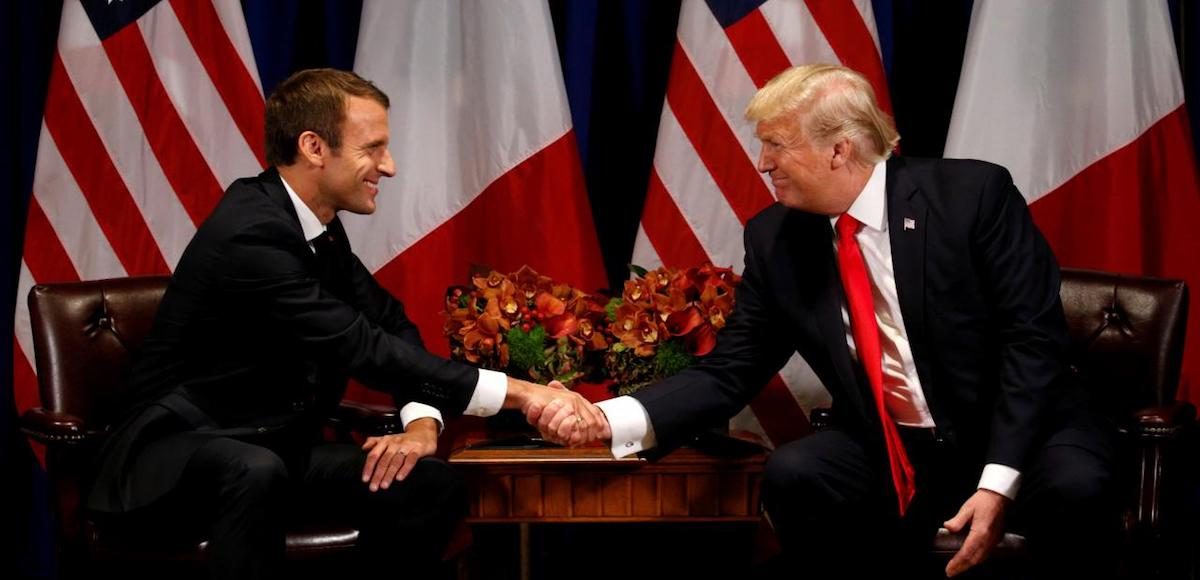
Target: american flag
{"type": "Point", "coordinates": [153, 107]}
{"type": "Point", "coordinates": [704, 185]}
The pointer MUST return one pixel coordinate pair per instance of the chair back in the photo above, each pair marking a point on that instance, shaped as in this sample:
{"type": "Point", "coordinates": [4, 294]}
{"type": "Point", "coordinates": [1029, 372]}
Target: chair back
{"type": "Point", "coordinates": [1127, 336]}
{"type": "Point", "coordinates": [85, 338]}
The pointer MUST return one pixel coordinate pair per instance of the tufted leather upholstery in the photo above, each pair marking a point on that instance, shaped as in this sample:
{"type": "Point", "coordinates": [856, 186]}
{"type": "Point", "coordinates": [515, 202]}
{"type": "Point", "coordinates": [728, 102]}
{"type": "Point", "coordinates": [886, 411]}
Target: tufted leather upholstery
{"type": "Point", "coordinates": [86, 336]}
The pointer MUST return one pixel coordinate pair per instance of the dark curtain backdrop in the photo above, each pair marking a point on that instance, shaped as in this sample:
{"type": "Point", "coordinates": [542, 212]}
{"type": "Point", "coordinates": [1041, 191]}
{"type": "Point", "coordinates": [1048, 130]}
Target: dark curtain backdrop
{"type": "Point", "coordinates": [615, 55]}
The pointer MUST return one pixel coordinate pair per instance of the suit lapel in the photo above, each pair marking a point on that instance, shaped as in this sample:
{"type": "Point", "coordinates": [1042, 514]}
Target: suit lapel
{"type": "Point", "coordinates": [820, 290]}
{"type": "Point", "coordinates": [908, 225]}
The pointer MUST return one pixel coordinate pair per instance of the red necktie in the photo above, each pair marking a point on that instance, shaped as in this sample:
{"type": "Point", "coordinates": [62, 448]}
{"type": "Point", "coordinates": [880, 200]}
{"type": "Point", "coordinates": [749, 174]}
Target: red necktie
{"type": "Point", "coordinates": [866, 337]}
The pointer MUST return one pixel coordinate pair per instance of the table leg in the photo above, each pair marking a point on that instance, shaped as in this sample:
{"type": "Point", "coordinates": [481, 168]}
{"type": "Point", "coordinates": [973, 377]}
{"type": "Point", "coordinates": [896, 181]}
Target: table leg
{"type": "Point", "coordinates": [523, 530]}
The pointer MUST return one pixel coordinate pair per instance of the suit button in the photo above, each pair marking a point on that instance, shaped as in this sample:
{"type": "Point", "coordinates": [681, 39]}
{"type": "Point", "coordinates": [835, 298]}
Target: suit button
{"type": "Point", "coordinates": [262, 429]}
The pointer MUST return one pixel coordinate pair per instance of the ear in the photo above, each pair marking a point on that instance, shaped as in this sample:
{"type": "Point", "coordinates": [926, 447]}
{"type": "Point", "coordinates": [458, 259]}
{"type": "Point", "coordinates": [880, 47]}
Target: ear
{"type": "Point", "coordinates": [311, 148]}
{"type": "Point", "coordinates": [842, 154]}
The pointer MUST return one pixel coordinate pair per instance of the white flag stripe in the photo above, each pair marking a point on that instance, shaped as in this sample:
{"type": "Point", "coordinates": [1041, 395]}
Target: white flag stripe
{"type": "Point", "coordinates": [644, 254]}
{"type": "Point", "coordinates": [69, 214]}
{"type": "Point", "coordinates": [467, 115]}
{"type": "Point", "coordinates": [798, 34]}
{"type": "Point", "coordinates": [93, 79]}
{"type": "Point", "coordinates": [121, 132]}
{"type": "Point", "coordinates": [22, 328]}
{"type": "Point", "coordinates": [701, 202]}
{"type": "Point", "coordinates": [233, 20]}
{"type": "Point", "coordinates": [804, 384]}
{"type": "Point", "coordinates": [721, 70]}
{"type": "Point", "coordinates": [1089, 101]}
{"type": "Point", "coordinates": [195, 97]}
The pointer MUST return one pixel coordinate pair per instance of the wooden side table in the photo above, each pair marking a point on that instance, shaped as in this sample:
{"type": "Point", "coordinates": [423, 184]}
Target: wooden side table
{"type": "Point", "coordinates": [539, 485]}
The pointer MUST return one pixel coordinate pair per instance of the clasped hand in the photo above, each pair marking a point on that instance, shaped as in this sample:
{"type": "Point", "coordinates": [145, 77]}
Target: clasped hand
{"type": "Point", "coordinates": [563, 416]}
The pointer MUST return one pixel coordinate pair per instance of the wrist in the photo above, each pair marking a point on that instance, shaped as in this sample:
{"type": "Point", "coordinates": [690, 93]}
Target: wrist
{"type": "Point", "coordinates": [517, 394]}
{"type": "Point", "coordinates": [423, 425]}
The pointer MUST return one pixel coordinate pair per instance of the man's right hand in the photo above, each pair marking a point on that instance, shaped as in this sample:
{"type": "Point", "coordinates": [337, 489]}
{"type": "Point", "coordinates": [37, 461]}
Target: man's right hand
{"type": "Point", "coordinates": [561, 416]}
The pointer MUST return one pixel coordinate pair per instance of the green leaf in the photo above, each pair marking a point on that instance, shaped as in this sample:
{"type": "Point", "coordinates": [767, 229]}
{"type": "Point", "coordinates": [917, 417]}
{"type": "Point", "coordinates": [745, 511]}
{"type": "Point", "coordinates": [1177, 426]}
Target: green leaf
{"type": "Point", "coordinates": [637, 270]}
{"type": "Point", "coordinates": [525, 349]}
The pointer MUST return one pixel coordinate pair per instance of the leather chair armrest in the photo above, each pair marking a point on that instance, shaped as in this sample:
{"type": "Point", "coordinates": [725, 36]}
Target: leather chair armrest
{"type": "Point", "coordinates": [1162, 421]}
{"type": "Point", "coordinates": [50, 427]}
{"type": "Point", "coordinates": [367, 418]}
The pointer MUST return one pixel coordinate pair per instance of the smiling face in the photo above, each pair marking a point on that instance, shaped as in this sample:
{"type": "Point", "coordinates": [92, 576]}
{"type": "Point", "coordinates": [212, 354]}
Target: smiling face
{"type": "Point", "coordinates": [349, 179]}
{"type": "Point", "coordinates": [801, 171]}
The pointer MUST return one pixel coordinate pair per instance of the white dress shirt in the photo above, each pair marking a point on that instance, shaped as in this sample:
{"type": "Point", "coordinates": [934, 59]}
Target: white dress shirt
{"type": "Point", "coordinates": [490, 389]}
{"type": "Point", "coordinates": [903, 395]}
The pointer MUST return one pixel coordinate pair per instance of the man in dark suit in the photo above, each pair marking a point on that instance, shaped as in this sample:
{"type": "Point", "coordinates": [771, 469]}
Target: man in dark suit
{"type": "Point", "coordinates": [926, 301]}
{"type": "Point", "coordinates": [266, 316]}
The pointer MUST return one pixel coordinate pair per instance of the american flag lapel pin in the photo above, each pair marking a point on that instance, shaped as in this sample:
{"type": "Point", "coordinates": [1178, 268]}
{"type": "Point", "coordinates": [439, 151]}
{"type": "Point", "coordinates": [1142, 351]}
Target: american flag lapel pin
{"type": "Point", "coordinates": [910, 224]}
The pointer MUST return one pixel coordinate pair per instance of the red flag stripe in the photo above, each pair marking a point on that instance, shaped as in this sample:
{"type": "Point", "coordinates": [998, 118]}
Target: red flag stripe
{"type": "Point", "coordinates": [226, 69]}
{"type": "Point", "coordinates": [1092, 221]}
{"type": "Point", "coordinates": [99, 181]}
{"type": "Point", "coordinates": [45, 255]}
{"type": "Point", "coordinates": [180, 159]}
{"type": "Point", "coordinates": [671, 236]}
{"type": "Point", "coordinates": [755, 45]}
{"type": "Point", "coordinates": [844, 28]}
{"type": "Point", "coordinates": [715, 143]}
{"type": "Point", "coordinates": [777, 411]}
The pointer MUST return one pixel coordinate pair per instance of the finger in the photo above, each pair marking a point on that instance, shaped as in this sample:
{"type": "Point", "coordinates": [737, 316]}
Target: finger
{"type": "Point", "coordinates": [393, 470]}
{"type": "Point", "coordinates": [956, 523]}
{"type": "Point", "coordinates": [533, 412]}
{"type": "Point", "coordinates": [371, 461]}
{"type": "Point", "coordinates": [560, 416]}
{"type": "Point", "coordinates": [386, 470]}
{"type": "Point", "coordinates": [970, 554]}
{"type": "Point", "coordinates": [410, 462]}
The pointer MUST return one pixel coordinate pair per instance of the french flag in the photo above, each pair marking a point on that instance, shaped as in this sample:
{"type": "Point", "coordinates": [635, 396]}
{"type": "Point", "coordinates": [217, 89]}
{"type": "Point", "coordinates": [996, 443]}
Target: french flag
{"type": "Point", "coordinates": [488, 168]}
{"type": "Point", "coordinates": [1083, 102]}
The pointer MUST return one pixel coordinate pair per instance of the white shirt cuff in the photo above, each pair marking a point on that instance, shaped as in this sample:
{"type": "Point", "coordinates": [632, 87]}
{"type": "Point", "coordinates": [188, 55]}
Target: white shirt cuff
{"type": "Point", "coordinates": [488, 397]}
{"type": "Point", "coordinates": [412, 411]}
{"type": "Point", "coordinates": [630, 425]}
{"type": "Point", "coordinates": [1001, 479]}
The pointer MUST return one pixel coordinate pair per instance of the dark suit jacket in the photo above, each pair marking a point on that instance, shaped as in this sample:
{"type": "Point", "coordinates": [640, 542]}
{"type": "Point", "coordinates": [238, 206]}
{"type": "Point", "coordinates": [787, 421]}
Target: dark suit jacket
{"type": "Point", "coordinates": [255, 337]}
{"type": "Point", "coordinates": [979, 293]}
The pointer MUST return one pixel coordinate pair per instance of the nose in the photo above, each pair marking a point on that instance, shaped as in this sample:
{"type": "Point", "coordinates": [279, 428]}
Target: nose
{"type": "Point", "coordinates": [387, 165]}
{"type": "Point", "coordinates": [765, 161]}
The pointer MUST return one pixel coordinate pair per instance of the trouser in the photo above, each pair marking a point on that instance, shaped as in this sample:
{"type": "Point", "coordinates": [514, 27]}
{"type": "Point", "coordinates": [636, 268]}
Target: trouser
{"type": "Point", "coordinates": [240, 496]}
{"type": "Point", "coordinates": [834, 508]}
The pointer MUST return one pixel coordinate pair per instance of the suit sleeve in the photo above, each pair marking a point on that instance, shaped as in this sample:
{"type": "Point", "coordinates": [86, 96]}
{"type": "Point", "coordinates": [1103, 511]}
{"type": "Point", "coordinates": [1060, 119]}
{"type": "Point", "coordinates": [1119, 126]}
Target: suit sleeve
{"type": "Point", "coordinates": [272, 277]}
{"type": "Point", "coordinates": [1021, 277]}
{"type": "Point", "coordinates": [751, 347]}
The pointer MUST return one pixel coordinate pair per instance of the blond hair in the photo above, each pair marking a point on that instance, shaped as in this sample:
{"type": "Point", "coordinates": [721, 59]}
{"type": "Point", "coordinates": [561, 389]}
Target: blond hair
{"type": "Point", "coordinates": [831, 103]}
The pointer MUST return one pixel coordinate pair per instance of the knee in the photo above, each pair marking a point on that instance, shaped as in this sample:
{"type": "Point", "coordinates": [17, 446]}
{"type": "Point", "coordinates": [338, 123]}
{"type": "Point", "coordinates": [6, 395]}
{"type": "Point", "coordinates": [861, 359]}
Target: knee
{"type": "Point", "coordinates": [792, 471]}
{"type": "Point", "coordinates": [257, 471]}
{"type": "Point", "coordinates": [1078, 490]}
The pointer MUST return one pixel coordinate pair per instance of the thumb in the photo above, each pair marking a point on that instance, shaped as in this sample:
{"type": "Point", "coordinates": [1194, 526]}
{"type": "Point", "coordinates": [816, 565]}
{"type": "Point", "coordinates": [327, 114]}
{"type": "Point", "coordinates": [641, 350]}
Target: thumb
{"type": "Point", "coordinates": [961, 519]}
{"type": "Point", "coordinates": [370, 443]}
{"type": "Point", "coordinates": [557, 385]}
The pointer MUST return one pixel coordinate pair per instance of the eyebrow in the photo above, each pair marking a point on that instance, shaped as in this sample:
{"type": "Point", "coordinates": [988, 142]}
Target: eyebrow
{"type": "Point", "coordinates": [375, 143]}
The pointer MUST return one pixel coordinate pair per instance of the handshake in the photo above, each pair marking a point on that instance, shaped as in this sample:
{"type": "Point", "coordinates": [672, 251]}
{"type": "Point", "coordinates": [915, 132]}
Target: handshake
{"type": "Point", "coordinates": [561, 416]}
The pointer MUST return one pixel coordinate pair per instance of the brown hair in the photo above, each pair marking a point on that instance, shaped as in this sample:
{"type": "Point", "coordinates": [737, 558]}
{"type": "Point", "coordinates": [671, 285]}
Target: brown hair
{"type": "Point", "coordinates": [312, 100]}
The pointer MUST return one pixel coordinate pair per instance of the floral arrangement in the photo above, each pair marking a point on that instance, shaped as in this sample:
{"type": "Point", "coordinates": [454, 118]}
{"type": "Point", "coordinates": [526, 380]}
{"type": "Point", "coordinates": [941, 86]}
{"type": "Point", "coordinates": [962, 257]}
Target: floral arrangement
{"type": "Point", "coordinates": [525, 325]}
{"type": "Point", "coordinates": [528, 326]}
{"type": "Point", "coordinates": [664, 320]}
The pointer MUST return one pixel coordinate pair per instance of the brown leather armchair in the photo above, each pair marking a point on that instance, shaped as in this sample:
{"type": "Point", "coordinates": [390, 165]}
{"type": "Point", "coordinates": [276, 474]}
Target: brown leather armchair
{"type": "Point", "coordinates": [1127, 337]}
{"type": "Point", "coordinates": [86, 335]}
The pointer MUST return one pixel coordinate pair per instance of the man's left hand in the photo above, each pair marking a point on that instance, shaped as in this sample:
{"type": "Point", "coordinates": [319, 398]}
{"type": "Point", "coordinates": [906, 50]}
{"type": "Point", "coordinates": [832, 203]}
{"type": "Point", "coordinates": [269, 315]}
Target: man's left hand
{"type": "Point", "coordinates": [391, 457]}
{"type": "Point", "coordinates": [983, 517]}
